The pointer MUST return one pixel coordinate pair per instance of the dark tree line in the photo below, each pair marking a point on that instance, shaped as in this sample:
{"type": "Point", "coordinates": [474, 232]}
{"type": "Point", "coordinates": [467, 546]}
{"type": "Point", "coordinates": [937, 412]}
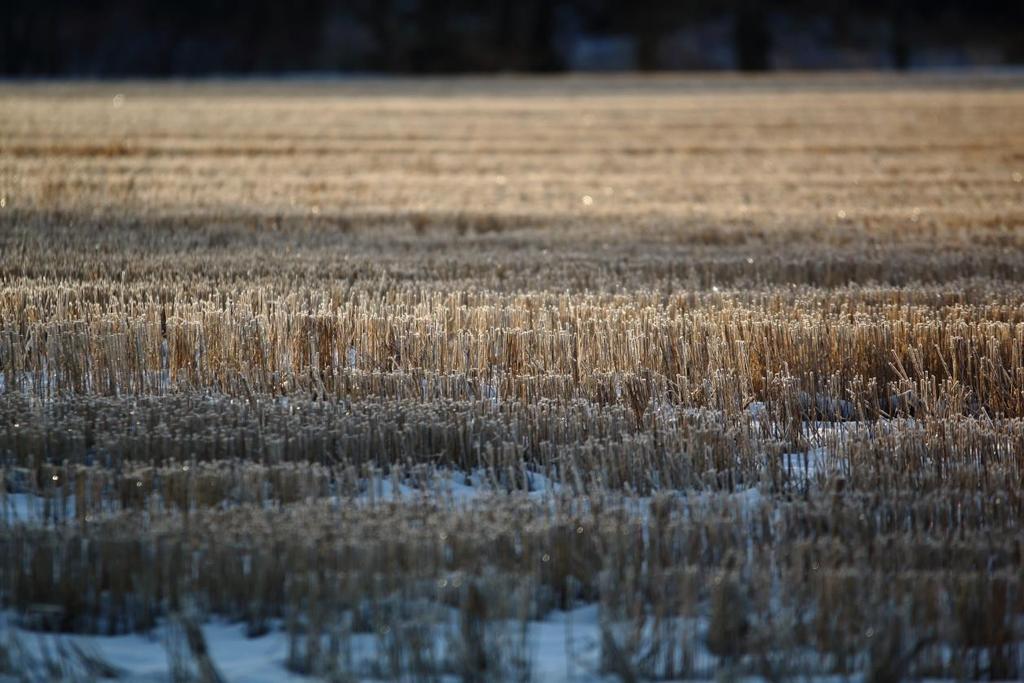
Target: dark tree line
{"type": "Point", "coordinates": [133, 37]}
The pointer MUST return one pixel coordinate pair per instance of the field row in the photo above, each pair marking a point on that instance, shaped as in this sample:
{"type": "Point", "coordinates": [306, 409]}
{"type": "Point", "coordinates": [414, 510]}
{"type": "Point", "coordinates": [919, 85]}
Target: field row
{"type": "Point", "coordinates": [710, 580]}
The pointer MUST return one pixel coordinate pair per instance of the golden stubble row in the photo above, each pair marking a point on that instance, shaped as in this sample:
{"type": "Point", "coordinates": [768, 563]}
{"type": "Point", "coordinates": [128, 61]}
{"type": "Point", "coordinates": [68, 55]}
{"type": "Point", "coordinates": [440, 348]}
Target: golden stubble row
{"type": "Point", "coordinates": [414, 344]}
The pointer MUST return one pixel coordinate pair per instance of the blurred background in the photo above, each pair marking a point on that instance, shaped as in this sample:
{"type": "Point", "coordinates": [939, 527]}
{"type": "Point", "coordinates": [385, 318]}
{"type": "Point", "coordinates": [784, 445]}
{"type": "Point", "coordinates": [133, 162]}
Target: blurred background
{"type": "Point", "coordinates": [90, 38]}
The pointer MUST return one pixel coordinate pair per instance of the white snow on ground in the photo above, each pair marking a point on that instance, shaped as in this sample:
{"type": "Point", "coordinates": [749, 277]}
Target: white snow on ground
{"type": "Point", "coordinates": [562, 648]}
{"type": "Point", "coordinates": [144, 658]}
{"type": "Point", "coordinates": [757, 410]}
{"type": "Point", "coordinates": [566, 646]}
{"type": "Point", "coordinates": [444, 485]}
{"type": "Point", "coordinates": [20, 507]}
{"type": "Point", "coordinates": [447, 485]}
{"type": "Point", "coordinates": [817, 459]}
{"type": "Point", "coordinates": [29, 508]}
{"type": "Point", "coordinates": [811, 463]}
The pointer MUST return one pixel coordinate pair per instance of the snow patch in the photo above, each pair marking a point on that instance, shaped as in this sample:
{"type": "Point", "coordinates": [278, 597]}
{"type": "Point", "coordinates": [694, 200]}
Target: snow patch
{"type": "Point", "coordinates": [563, 647]}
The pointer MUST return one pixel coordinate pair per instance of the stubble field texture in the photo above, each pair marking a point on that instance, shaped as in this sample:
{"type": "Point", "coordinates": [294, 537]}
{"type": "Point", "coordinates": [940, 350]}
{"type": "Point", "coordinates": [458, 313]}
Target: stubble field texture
{"type": "Point", "coordinates": [558, 379]}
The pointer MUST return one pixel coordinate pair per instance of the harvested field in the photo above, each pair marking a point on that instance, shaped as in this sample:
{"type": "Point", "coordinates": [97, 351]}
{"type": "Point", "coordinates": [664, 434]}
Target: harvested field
{"type": "Point", "coordinates": [552, 379]}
